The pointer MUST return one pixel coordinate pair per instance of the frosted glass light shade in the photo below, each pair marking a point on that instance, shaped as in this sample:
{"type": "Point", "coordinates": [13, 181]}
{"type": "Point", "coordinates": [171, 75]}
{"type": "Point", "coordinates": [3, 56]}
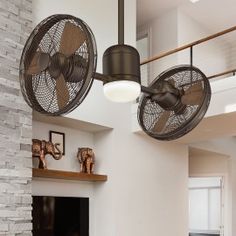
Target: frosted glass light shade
{"type": "Point", "coordinates": [122, 91]}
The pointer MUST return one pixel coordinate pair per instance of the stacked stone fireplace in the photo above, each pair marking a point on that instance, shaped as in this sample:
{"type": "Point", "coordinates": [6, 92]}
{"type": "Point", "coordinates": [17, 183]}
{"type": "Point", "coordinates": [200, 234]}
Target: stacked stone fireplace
{"type": "Point", "coordinates": [15, 122]}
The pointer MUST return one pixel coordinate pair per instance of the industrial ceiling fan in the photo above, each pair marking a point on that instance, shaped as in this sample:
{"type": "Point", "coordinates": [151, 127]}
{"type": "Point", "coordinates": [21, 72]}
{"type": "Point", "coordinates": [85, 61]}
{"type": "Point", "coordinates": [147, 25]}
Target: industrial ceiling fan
{"type": "Point", "coordinates": [58, 65]}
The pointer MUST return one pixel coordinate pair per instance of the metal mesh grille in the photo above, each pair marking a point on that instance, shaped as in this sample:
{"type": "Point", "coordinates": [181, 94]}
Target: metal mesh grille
{"type": "Point", "coordinates": [40, 90]}
{"type": "Point", "coordinates": [176, 125]}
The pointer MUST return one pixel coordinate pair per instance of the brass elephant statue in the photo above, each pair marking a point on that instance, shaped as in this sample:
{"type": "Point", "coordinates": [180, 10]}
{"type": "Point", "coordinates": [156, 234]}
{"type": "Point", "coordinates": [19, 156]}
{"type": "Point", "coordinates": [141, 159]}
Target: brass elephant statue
{"type": "Point", "coordinates": [40, 148]}
{"type": "Point", "coordinates": [86, 159]}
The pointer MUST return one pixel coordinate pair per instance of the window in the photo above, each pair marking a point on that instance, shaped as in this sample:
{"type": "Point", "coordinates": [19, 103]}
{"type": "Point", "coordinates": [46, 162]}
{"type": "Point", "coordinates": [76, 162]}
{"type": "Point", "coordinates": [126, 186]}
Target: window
{"type": "Point", "coordinates": [205, 205]}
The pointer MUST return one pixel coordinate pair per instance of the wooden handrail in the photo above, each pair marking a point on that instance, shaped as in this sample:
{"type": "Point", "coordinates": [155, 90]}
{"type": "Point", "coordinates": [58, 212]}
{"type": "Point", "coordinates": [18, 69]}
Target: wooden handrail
{"type": "Point", "coordinates": [188, 45]}
{"type": "Point", "coordinates": [223, 73]}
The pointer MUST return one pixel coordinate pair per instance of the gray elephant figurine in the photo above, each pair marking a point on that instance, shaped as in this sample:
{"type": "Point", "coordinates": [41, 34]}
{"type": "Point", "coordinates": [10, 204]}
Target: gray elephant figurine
{"type": "Point", "coordinates": [40, 148]}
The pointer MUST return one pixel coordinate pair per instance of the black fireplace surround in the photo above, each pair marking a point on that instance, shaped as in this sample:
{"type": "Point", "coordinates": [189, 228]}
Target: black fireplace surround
{"type": "Point", "coordinates": [60, 216]}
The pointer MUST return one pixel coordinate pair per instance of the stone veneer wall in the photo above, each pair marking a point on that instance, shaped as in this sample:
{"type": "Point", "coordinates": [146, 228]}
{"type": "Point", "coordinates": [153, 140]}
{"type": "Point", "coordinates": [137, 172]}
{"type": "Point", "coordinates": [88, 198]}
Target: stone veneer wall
{"type": "Point", "coordinates": [15, 122]}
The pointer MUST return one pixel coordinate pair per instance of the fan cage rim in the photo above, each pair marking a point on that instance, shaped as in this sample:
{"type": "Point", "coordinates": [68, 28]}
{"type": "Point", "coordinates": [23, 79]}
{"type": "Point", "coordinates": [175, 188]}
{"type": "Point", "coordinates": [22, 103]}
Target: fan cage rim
{"type": "Point", "coordinates": [193, 121]}
{"type": "Point", "coordinates": [88, 78]}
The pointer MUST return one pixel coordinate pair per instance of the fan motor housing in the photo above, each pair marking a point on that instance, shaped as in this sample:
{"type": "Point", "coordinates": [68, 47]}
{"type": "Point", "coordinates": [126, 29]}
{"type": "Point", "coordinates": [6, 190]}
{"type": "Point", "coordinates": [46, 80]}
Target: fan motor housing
{"type": "Point", "coordinates": [122, 62]}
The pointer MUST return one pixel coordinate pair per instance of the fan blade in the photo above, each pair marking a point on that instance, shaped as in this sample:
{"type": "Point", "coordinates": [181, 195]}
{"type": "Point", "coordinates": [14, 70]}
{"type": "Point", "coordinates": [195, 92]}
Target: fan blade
{"type": "Point", "coordinates": [172, 82]}
{"type": "Point", "coordinates": [193, 95]}
{"type": "Point", "coordinates": [62, 92]}
{"type": "Point", "coordinates": [194, 98]}
{"type": "Point", "coordinates": [161, 122]}
{"type": "Point", "coordinates": [39, 63]}
{"type": "Point", "coordinates": [72, 38]}
{"type": "Point", "coordinates": [195, 88]}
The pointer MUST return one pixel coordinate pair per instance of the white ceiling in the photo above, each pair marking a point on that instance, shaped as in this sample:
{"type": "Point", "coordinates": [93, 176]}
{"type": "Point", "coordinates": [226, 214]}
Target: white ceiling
{"type": "Point", "coordinates": [149, 9]}
{"type": "Point", "coordinates": [197, 152]}
{"type": "Point", "coordinates": [206, 130]}
{"type": "Point", "coordinates": [215, 15]}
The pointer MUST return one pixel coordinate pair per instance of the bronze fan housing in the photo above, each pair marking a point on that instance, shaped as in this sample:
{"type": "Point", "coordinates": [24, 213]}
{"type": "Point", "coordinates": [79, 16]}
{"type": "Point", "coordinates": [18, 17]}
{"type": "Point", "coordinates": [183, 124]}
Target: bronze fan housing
{"type": "Point", "coordinates": [57, 65]}
{"type": "Point", "coordinates": [179, 102]}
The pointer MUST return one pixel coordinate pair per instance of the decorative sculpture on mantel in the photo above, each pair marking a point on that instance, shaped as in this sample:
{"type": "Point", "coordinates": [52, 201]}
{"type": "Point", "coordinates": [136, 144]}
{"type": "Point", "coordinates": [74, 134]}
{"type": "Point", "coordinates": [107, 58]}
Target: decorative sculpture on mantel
{"type": "Point", "coordinates": [40, 148]}
{"type": "Point", "coordinates": [86, 159]}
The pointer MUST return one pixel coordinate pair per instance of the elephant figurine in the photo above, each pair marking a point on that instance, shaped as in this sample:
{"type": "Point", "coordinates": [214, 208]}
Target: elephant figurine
{"type": "Point", "coordinates": [40, 148]}
{"type": "Point", "coordinates": [86, 159]}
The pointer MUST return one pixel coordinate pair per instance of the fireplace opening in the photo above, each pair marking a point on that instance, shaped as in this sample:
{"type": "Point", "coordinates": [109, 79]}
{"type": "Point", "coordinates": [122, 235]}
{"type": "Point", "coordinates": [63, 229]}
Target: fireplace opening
{"type": "Point", "coordinates": [60, 216]}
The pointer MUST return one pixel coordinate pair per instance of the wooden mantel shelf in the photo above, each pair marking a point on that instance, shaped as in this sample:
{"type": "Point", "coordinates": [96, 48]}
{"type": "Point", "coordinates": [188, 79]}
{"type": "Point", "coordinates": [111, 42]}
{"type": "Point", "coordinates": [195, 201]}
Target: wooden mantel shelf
{"type": "Point", "coordinates": [67, 175]}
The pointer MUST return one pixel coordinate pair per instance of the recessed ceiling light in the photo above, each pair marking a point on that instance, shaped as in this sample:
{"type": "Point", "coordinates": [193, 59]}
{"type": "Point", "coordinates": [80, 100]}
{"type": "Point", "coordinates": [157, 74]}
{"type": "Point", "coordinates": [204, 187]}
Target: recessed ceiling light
{"type": "Point", "coordinates": [194, 1]}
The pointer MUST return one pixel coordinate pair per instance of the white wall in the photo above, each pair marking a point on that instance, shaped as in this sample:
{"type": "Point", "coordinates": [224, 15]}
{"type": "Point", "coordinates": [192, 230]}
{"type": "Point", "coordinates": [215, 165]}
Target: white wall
{"type": "Point", "coordinates": [211, 57]}
{"type": "Point", "coordinates": [208, 164]}
{"type": "Point", "coordinates": [223, 100]}
{"type": "Point", "coordinates": [163, 37]}
{"type": "Point", "coordinates": [143, 49]}
{"type": "Point", "coordinates": [73, 140]}
{"type": "Point", "coordinates": [146, 191]}
{"type": "Point", "coordinates": [147, 188]}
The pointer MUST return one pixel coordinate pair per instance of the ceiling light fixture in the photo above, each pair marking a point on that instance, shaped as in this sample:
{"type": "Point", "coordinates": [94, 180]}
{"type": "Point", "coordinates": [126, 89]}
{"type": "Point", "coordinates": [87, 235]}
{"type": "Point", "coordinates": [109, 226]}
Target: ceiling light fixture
{"type": "Point", "coordinates": [194, 1]}
{"type": "Point", "coordinates": [122, 64]}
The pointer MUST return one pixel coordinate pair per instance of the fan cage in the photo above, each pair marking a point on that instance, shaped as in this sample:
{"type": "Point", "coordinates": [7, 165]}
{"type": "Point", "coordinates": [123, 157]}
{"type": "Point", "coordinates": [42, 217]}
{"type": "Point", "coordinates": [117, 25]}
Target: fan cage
{"type": "Point", "coordinates": [39, 90]}
{"type": "Point", "coordinates": [177, 125]}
